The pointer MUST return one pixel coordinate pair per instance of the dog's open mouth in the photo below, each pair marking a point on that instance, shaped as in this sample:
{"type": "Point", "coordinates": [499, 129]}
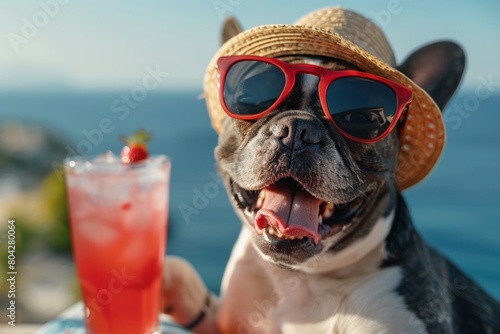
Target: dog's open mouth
{"type": "Point", "coordinates": [285, 211]}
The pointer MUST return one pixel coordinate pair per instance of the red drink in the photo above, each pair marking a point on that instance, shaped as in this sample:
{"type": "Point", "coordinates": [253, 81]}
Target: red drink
{"type": "Point", "coordinates": [118, 219]}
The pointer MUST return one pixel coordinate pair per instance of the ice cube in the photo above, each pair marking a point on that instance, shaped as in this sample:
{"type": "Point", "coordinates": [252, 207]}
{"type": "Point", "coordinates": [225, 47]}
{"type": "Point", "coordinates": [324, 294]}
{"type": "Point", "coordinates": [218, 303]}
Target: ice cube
{"type": "Point", "coordinates": [107, 157]}
{"type": "Point", "coordinates": [158, 197]}
{"type": "Point", "coordinates": [97, 232]}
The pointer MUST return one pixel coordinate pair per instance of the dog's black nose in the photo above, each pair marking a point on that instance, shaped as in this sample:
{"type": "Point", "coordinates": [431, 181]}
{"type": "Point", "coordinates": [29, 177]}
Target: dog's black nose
{"type": "Point", "coordinates": [297, 132]}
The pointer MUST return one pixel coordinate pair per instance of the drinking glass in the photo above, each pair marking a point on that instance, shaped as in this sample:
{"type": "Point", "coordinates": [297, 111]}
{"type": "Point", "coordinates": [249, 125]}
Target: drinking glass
{"type": "Point", "coordinates": [118, 219]}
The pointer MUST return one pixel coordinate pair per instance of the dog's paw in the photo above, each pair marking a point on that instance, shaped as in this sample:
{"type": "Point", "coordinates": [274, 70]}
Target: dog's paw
{"type": "Point", "coordinates": [183, 292]}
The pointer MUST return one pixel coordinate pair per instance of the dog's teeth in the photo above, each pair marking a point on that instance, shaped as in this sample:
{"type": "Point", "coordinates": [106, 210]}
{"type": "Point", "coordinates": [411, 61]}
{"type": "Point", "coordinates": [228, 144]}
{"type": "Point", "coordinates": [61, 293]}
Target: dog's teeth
{"type": "Point", "coordinates": [260, 199]}
{"type": "Point", "coordinates": [262, 194]}
{"type": "Point", "coordinates": [248, 212]}
{"type": "Point", "coordinates": [320, 219]}
{"type": "Point", "coordinates": [272, 231]}
{"type": "Point", "coordinates": [260, 203]}
{"type": "Point", "coordinates": [328, 210]}
{"type": "Point", "coordinates": [327, 214]}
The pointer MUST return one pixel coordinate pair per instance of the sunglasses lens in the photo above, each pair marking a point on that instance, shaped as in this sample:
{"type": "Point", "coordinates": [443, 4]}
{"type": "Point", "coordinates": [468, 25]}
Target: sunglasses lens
{"type": "Point", "coordinates": [362, 108]}
{"type": "Point", "coordinates": [251, 87]}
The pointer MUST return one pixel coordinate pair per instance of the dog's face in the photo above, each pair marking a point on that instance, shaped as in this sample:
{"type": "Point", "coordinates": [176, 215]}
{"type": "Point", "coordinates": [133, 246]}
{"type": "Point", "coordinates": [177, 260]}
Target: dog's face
{"type": "Point", "coordinates": [315, 200]}
{"type": "Point", "coordinates": [301, 187]}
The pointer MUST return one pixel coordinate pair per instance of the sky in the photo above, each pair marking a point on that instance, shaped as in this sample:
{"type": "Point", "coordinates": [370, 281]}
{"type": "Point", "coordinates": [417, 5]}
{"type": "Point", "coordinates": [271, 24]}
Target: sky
{"type": "Point", "coordinates": [111, 45]}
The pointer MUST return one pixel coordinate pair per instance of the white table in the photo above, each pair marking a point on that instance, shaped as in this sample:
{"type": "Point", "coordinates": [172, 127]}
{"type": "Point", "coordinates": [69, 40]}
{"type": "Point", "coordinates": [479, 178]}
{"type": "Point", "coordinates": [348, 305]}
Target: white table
{"type": "Point", "coordinates": [19, 329]}
{"type": "Point", "coordinates": [71, 322]}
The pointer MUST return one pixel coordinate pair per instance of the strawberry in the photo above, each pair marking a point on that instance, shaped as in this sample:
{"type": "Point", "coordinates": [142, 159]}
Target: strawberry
{"type": "Point", "coordinates": [136, 149]}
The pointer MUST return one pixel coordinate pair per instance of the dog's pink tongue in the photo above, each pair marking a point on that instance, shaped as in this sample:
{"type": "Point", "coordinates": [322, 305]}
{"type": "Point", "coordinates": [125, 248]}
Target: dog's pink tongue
{"type": "Point", "coordinates": [293, 213]}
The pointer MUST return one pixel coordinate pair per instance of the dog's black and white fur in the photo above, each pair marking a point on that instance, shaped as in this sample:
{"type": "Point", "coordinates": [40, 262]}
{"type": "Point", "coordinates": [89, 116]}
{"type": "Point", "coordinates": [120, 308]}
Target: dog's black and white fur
{"type": "Point", "coordinates": [370, 271]}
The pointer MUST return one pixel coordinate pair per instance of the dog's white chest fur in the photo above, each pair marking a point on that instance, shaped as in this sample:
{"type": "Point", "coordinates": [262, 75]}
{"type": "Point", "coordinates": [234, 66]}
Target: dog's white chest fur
{"type": "Point", "coordinates": [363, 305]}
{"type": "Point", "coordinates": [267, 299]}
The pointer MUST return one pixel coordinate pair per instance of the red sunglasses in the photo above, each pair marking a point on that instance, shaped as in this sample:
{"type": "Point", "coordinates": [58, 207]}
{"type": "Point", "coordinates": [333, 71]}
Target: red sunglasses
{"type": "Point", "coordinates": [363, 107]}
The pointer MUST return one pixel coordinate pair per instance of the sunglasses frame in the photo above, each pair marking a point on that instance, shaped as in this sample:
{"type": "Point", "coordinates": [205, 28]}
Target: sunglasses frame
{"type": "Point", "coordinates": [403, 94]}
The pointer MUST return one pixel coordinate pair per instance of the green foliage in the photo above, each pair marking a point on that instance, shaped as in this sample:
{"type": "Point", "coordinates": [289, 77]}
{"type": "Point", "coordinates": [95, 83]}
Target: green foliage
{"type": "Point", "coordinates": [54, 196]}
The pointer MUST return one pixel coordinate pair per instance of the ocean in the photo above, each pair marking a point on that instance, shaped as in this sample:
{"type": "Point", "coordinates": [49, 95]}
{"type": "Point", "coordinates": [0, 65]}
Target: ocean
{"type": "Point", "coordinates": [456, 209]}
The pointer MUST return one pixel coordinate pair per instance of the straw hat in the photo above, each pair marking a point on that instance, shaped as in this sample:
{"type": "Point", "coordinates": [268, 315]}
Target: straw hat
{"type": "Point", "coordinates": [343, 34]}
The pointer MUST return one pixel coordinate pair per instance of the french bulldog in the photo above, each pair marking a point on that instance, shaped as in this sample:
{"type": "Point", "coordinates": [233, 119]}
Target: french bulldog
{"type": "Point", "coordinates": [327, 243]}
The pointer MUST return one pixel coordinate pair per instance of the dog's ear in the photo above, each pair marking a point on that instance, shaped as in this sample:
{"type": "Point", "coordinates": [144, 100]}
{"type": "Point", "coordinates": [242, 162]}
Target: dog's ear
{"type": "Point", "coordinates": [230, 28]}
{"type": "Point", "coordinates": [437, 68]}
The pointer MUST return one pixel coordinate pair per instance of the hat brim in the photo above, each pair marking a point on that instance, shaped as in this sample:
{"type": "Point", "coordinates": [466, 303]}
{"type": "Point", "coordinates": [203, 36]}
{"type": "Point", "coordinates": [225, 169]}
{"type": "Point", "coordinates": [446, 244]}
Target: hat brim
{"type": "Point", "coordinates": [423, 136]}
